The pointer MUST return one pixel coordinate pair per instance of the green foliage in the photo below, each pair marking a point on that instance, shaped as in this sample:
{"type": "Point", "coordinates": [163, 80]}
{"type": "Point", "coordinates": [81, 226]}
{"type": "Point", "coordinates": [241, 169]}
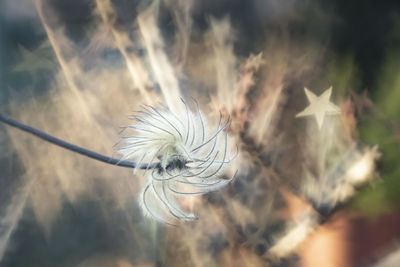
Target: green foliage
{"type": "Point", "coordinates": [382, 127]}
{"type": "Point", "coordinates": [343, 74]}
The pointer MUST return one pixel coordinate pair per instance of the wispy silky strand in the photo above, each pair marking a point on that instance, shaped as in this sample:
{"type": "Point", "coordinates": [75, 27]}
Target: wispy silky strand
{"type": "Point", "coordinates": [192, 158]}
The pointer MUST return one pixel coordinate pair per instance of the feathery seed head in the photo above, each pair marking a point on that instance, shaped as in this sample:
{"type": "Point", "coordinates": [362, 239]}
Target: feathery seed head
{"type": "Point", "coordinates": [191, 158]}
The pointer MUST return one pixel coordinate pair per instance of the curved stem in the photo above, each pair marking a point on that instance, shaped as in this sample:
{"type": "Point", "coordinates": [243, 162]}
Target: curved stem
{"type": "Point", "coordinates": [83, 151]}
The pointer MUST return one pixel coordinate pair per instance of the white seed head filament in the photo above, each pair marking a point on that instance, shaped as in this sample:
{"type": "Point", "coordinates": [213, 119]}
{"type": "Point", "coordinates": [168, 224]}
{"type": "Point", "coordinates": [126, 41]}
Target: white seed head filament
{"type": "Point", "coordinates": [191, 158]}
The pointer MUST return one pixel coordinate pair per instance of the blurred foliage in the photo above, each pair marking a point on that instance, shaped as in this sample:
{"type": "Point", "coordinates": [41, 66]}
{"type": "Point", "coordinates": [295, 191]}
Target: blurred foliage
{"type": "Point", "coordinates": [381, 126]}
{"type": "Point", "coordinates": [343, 73]}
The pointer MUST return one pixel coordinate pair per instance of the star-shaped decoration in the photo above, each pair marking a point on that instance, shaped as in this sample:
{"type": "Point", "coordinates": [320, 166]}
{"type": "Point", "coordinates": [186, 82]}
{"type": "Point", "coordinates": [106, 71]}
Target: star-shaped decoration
{"type": "Point", "coordinates": [319, 106]}
{"type": "Point", "coordinates": [39, 59]}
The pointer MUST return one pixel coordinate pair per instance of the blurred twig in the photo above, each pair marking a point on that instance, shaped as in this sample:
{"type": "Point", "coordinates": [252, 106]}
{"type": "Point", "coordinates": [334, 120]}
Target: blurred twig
{"type": "Point", "coordinates": [80, 150]}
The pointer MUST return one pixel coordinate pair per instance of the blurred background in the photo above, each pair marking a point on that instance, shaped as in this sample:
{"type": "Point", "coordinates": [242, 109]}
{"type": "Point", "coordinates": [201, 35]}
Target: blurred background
{"type": "Point", "coordinates": [303, 196]}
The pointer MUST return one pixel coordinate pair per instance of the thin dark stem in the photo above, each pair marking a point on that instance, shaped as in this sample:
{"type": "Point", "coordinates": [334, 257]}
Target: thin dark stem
{"type": "Point", "coordinates": [72, 147]}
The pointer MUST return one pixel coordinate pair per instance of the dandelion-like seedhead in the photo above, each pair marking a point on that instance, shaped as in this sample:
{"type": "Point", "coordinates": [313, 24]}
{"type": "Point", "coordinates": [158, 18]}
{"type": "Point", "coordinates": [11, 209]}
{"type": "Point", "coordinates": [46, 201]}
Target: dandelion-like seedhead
{"type": "Point", "coordinates": [190, 157]}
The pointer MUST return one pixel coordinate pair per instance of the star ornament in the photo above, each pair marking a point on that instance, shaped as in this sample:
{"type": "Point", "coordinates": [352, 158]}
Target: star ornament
{"type": "Point", "coordinates": [319, 106]}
